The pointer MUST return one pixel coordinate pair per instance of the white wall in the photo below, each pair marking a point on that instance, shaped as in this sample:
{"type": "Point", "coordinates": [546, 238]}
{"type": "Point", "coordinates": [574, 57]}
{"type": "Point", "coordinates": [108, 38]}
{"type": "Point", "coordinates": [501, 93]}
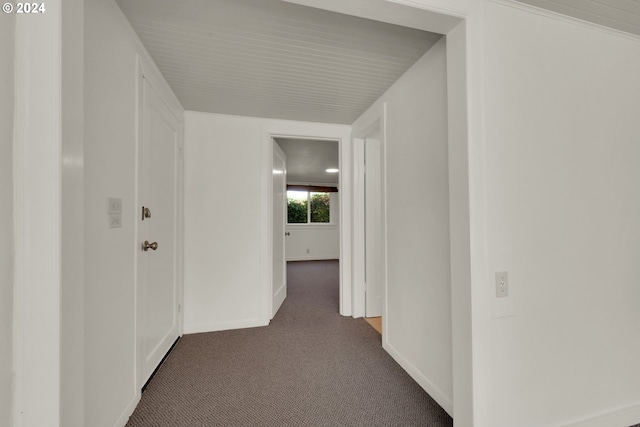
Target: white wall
{"type": "Point", "coordinates": [418, 298]}
{"type": "Point", "coordinates": [563, 218]}
{"type": "Point", "coordinates": [312, 242]}
{"type": "Point", "coordinates": [222, 231]}
{"type": "Point", "coordinates": [224, 189]}
{"type": "Point", "coordinates": [315, 242]}
{"type": "Point", "coordinates": [110, 164]}
{"type": "Point", "coordinates": [7, 29]}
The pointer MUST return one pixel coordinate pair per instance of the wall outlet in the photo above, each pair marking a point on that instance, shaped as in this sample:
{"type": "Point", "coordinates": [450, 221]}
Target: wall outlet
{"type": "Point", "coordinates": [308, 251]}
{"type": "Point", "coordinates": [114, 205]}
{"type": "Point", "coordinates": [502, 284]}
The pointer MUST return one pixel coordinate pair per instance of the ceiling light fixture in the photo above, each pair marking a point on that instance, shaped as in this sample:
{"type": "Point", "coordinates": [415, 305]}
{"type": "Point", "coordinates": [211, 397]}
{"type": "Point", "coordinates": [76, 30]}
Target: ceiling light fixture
{"type": "Point", "coordinates": [332, 170]}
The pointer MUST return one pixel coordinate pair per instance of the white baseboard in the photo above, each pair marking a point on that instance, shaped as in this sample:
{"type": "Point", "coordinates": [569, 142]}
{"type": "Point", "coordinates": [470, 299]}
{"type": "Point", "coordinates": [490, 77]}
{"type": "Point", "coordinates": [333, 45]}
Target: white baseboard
{"type": "Point", "coordinates": [223, 326]}
{"type": "Point", "coordinates": [433, 390]}
{"type": "Point", "coordinates": [622, 417]}
{"type": "Point", "coordinates": [313, 258]}
{"type": "Point", "coordinates": [279, 297]}
{"type": "Point", "coordinates": [124, 417]}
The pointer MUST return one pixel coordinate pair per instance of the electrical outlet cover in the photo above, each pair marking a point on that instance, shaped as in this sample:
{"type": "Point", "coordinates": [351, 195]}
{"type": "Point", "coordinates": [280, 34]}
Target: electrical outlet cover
{"type": "Point", "coordinates": [502, 284]}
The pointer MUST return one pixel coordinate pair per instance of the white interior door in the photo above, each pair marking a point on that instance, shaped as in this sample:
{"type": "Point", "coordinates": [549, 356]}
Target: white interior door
{"type": "Point", "coordinates": [279, 221]}
{"type": "Point", "coordinates": [373, 228]}
{"type": "Point", "coordinates": [157, 315]}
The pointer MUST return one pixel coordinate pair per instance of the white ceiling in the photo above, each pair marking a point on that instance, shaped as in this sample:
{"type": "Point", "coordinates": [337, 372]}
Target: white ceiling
{"type": "Point", "coordinates": [308, 160]}
{"type": "Point", "coordinates": [274, 59]}
{"type": "Point", "coordinates": [623, 15]}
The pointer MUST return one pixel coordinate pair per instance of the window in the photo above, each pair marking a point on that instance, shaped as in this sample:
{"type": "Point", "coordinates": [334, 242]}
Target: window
{"type": "Point", "coordinates": [308, 207]}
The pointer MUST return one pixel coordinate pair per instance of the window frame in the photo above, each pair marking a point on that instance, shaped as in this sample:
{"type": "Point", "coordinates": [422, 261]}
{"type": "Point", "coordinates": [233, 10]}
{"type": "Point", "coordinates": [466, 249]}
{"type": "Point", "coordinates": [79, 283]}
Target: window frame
{"type": "Point", "coordinates": [309, 223]}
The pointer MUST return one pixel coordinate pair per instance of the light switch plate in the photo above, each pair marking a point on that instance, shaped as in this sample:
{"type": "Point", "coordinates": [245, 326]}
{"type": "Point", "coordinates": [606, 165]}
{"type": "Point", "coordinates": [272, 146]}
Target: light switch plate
{"type": "Point", "coordinates": [114, 205]}
{"type": "Point", "coordinates": [115, 220]}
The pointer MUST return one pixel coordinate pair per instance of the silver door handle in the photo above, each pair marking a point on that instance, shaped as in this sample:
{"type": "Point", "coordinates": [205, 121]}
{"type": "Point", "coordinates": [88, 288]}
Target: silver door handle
{"type": "Point", "coordinates": [146, 246]}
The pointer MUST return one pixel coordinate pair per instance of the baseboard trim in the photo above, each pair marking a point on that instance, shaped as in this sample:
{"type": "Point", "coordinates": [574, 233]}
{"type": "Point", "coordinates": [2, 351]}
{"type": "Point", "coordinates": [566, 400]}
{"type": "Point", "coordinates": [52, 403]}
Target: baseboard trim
{"type": "Point", "coordinates": [313, 258]}
{"type": "Point", "coordinates": [279, 297]}
{"type": "Point", "coordinates": [124, 417]}
{"type": "Point", "coordinates": [622, 417]}
{"type": "Point", "coordinates": [433, 390]}
{"type": "Point", "coordinates": [223, 326]}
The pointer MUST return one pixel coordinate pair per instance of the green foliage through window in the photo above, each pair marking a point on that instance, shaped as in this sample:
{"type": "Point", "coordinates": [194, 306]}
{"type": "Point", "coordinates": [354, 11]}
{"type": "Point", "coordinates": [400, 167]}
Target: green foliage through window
{"type": "Point", "coordinates": [304, 207]}
{"type": "Point", "coordinates": [319, 205]}
{"type": "Point", "coordinates": [296, 211]}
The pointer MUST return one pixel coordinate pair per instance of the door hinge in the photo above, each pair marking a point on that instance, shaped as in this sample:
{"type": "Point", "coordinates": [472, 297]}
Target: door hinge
{"type": "Point", "coordinates": [179, 308]}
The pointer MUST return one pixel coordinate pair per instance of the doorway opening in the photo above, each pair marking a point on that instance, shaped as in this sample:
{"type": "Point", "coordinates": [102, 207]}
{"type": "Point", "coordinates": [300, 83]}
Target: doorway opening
{"type": "Point", "coordinates": [370, 279]}
{"type": "Point", "coordinates": [306, 205]}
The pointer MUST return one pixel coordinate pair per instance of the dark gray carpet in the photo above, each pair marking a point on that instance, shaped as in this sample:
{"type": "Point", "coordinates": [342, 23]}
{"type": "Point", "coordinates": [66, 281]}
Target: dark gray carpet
{"type": "Point", "coordinates": [309, 367]}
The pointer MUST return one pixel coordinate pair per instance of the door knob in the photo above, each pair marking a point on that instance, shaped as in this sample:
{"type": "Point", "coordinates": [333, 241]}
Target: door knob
{"type": "Point", "coordinates": [146, 246]}
{"type": "Point", "coordinates": [287, 234]}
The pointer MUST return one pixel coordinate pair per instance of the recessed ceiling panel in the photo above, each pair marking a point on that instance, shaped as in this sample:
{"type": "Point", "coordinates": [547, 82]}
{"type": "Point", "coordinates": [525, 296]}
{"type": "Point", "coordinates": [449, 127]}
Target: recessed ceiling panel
{"type": "Point", "coordinates": [273, 59]}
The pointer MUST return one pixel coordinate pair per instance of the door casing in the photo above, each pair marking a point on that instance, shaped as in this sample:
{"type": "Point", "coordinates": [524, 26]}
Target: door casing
{"type": "Point", "coordinates": [302, 130]}
{"type": "Point", "coordinates": [375, 124]}
{"type": "Point", "coordinates": [279, 194]}
{"type": "Point", "coordinates": [374, 227]}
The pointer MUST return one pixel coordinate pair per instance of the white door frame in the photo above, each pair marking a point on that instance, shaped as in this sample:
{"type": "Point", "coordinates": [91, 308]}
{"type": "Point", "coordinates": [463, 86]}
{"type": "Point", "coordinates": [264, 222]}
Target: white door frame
{"type": "Point", "coordinates": [302, 130]}
{"type": "Point", "coordinates": [147, 71]}
{"type": "Point", "coordinates": [38, 214]}
{"type": "Point", "coordinates": [375, 122]}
